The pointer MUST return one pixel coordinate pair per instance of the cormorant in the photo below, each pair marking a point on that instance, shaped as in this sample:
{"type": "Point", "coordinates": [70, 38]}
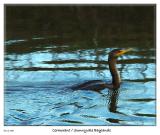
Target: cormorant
{"type": "Point", "coordinates": [99, 84]}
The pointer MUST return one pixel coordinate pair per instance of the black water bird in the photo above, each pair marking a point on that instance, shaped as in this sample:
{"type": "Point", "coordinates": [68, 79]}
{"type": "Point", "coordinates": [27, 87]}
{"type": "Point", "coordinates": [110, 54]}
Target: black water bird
{"type": "Point", "coordinates": [99, 84]}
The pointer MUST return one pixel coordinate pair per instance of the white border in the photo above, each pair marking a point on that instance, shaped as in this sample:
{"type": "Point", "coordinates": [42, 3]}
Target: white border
{"type": "Point", "coordinates": [1, 66]}
{"type": "Point", "coordinates": [42, 130]}
{"type": "Point", "coordinates": [80, 1]}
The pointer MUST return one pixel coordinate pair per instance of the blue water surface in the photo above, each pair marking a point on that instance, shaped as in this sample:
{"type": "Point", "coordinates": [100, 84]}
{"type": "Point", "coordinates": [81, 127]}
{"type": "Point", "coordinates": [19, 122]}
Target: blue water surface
{"type": "Point", "coordinates": [38, 86]}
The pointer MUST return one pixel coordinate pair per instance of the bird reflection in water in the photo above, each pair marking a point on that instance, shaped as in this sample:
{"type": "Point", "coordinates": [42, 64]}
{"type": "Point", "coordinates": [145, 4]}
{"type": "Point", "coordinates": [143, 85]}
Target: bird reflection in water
{"type": "Point", "coordinates": [113, 100]}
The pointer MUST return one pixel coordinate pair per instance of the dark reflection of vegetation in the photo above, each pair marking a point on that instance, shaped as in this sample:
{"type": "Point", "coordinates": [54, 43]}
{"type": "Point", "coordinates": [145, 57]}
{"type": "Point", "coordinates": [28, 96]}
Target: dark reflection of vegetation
{"type": "Point", "coordinates": [128, 61]}
{"type": "Point", "coordinates": [141, 80]}
{"type": "Point", "coordinates": [114, 120]}
{"type": "Point", "coordinates": [77, 30]}
{"type": "Point", "coordinates": [63, 114]}
{"type": "Point", "coordinates": [145, 115]}
{"type": "Point", "coordinates": [99, 23]}
{"type": "Point", "coordinates": [142, 100]}
{"type": "Point", "coordinates": [72, 122]}
{"type": "Point", "coordinates": [58, 46]}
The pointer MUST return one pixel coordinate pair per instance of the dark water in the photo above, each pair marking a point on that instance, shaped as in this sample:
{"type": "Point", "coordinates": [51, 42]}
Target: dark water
{"type": "Point", "coordinates": [40, 71]}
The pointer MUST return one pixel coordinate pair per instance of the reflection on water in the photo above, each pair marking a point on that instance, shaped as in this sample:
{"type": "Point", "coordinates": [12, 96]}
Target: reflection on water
{"type": "Point", "coordinates": [39, 73]}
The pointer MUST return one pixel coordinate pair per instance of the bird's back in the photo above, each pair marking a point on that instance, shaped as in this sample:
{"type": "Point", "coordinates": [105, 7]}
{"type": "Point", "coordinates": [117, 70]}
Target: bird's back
{"type": "Point", "coordinates": [91, 85]}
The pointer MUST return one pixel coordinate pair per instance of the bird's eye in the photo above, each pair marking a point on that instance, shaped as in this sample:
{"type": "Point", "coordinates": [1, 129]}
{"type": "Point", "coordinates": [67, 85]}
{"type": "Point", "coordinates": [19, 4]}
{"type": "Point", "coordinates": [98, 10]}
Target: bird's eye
{"type": "Point", "coordinates": [118, 51]}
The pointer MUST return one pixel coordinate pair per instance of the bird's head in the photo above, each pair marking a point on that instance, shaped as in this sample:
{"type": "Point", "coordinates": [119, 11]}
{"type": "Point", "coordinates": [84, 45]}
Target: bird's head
{"type": "Point", "coordinates": [118, 52]}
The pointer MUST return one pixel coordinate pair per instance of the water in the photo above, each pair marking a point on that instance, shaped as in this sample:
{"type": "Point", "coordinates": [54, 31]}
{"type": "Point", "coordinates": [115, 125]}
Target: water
{"type": "Point", "coordinates": [40, 71]}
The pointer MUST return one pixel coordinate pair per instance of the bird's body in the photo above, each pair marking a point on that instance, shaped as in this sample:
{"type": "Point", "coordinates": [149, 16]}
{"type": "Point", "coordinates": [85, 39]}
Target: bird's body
{"type": "Point", "coordinates": [99, 84]}
{"type": "Point", "coordinates": [91, 85]}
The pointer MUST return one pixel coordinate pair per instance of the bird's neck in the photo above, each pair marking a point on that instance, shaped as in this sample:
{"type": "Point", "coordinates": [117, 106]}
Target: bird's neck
{"type": "Point", "coordinates": [115, 75]}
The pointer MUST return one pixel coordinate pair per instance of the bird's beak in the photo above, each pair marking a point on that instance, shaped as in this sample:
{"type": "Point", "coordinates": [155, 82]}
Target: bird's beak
{"type": "Point", "coordinates": [123, 51]}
